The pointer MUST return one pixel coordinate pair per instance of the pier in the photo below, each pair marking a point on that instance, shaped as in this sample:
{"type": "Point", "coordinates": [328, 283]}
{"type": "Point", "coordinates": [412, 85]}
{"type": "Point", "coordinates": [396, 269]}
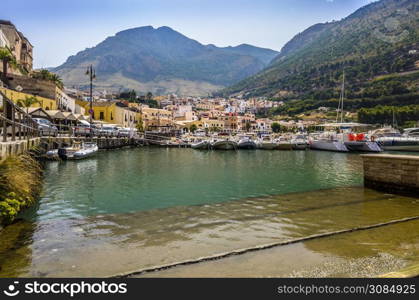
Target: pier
{"type": "Point", "coordinates": [397, 174]}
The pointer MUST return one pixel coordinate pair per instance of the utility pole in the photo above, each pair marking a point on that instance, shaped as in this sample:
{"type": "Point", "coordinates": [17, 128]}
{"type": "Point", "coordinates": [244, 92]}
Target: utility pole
{"type": "Point", "coordinates": [92, 75]}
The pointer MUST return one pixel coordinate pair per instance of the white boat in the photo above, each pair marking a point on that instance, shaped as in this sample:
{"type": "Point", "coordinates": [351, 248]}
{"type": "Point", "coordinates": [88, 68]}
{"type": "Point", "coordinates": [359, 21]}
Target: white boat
{"type": "Point", "coordinates": [52, 154]}
{"type": "Point", "coordinates": [221, 144]}
{"type": "Point", "coordinates": [328, 141]}
{"type": "Point", "coordinates": [266, 143]}
{"type": "Point", "coordinates": [390, 139]}
{"type": "Point", "coordinates": [201, 145]}
{"type": "Point", "coordinates": [246, 142]}
{"type": "Point", "coordinates": [299, 142]}
{"type": "Point", "coordinates": [283, 143]}
{"type": "Point", "coordinates": [347, 139]}
{"type": "Point", "coordinates": [408, 144]}
{"type": "Point", "coordinates": [78, 151]}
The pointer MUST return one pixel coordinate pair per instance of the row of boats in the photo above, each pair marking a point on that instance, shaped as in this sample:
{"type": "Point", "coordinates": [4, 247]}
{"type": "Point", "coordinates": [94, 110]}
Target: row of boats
{"type": "Point", "coordinates": [385, 139]}
{"type": "Point", "coordinates": [245, 142]}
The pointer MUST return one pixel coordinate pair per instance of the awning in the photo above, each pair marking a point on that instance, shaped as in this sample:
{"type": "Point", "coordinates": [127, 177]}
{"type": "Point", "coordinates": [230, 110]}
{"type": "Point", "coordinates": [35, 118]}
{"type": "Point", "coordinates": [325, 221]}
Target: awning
{"type": "Point", "coordinates": [55, 114]}
{"type": "Point", "coordinates": [38, 112]}
{"type": "Point", "coordinates": [69, 116]}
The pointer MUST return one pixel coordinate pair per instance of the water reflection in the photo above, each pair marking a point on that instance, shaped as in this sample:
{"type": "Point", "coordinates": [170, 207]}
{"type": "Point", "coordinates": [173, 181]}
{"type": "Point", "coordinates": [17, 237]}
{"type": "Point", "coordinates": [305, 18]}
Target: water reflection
{"type": "Point", "coordinates": [130, 241]}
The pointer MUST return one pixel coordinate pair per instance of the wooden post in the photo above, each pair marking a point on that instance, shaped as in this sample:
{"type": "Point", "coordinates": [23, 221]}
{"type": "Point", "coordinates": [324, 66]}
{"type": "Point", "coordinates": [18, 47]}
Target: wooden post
{"type": "Point", "coordinates": [20, 125]}
{"type": "Point", "coordinates": [13, 124]}
{"type": "Point", "coordinates": [5, 103]}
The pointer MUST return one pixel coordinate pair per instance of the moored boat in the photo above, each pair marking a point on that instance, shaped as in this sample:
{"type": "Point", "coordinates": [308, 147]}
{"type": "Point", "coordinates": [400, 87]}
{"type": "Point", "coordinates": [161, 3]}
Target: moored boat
{"type": "Point", "coordinates": [52, 154]}
{"type": "Point", "coordinates": [78, 151]}
{"type": "Point", "coordinates": [359, 142]}
{"type": "Point", "coordinates": [266, 143]}
{"type": "Point", "coordinates": [221, 144]}
{"type": "Point", "coordinates": [201, 145]}
{"type": "Point", "coordinates": [328, 141]}
{"type": "Point", "coordinates": [299, 142]}
{"type": "Point", "coordinates": [246, 143]}
{"type": "Point", "coordinates": [283, 143]}
{"type": "Point", "coordinates": [390, 139]}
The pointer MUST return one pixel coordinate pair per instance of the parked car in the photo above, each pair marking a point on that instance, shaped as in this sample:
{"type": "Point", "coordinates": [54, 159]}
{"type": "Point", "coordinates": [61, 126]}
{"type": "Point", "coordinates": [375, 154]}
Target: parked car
{"type": "Point", "coordinates": [84, 129]}
{"type": "Point", "coordinates": [108, 131]}
{"type": "Point", "coordinates": [45, 127]}
{"type": "Point", "coordinates": [125, 132]}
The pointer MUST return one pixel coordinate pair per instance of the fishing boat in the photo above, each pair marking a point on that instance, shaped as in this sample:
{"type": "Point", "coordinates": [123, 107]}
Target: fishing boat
{"type": "Point", "coordinates": [283, 143]}
{"type": "Point", "coordinates": [201, 145]}
{"type": "Point", "coordinates": [246, 142]}
{"type": "Point", "coordinates": [299, 142]}
{"type": "Point", "coordinates": [266, 143]}
{"type": "Point", "coordinates": [224, 144]}
{"type": "Point", "coordinates": [78, 150]}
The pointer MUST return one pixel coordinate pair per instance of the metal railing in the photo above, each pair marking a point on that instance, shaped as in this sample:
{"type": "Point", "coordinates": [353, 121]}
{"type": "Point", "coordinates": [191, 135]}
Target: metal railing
{"type": "Point", "coordinates": [15, 122]}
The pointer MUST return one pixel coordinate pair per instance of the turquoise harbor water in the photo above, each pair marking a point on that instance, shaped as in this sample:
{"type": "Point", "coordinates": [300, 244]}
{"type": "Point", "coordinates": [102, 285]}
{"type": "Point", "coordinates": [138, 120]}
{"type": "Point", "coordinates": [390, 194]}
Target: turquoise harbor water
{"type": "Point", "coordinates": [126, 210]}
{"type": "Point", "coordinates": [141, 179]}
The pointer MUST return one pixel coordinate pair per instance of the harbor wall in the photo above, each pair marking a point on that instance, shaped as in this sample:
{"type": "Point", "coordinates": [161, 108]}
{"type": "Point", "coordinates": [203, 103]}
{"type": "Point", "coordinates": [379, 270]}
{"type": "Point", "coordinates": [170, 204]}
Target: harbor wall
{"type": "Point", "coordinates": [18, 147]}
{"type": "Point", "coordinates": [397, 174]}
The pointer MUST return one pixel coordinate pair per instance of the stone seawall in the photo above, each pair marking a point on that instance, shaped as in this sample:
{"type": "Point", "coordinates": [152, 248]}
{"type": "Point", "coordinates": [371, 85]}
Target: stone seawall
{"type": "Point", "coordinates": [17, 147]}
{"type": "Point", "coordinates": [392, 173]}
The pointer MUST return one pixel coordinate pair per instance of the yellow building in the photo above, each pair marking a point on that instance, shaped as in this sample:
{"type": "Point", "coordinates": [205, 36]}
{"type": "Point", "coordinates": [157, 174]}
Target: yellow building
{"type": "Point", "coordinates": [154, 117]}
{"type": "Point", "coordinates": [15, 96]}
{"type": "Point", "coordinates": [113, 113]}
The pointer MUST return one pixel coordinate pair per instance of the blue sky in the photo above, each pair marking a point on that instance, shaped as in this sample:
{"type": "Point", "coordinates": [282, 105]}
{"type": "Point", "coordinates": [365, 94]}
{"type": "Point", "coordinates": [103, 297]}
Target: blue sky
{"type": "Point", "coordinates": [60, 28]}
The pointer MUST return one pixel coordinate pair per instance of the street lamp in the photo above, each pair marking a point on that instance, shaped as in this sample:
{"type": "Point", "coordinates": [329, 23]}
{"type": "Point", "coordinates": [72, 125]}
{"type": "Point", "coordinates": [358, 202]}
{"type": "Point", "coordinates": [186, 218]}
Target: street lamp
{"type": "Point", "coordinates": [92, 75]}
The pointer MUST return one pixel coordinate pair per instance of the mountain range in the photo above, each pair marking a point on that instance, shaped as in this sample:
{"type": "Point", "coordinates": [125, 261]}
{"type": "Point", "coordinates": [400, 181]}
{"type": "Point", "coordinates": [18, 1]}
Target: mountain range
{"type": "Point", "coordinates": [162, 60]}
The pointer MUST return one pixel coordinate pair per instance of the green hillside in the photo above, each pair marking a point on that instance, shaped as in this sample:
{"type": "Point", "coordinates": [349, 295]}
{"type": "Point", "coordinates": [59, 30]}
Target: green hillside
{"type": "Point", "coordinates": [375, 46]}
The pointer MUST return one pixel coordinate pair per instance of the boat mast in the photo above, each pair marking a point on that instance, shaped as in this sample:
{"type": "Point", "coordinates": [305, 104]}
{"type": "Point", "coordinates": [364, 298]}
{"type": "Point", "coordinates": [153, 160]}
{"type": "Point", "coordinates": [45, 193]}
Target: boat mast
{"type": "Point", "coordinates": [340, 105]}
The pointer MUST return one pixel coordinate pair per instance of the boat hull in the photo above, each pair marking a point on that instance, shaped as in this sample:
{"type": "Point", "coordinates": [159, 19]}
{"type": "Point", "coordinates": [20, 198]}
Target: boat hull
{"type": "Point", "coordinates": [284, 146]}
{"type": "Point", "coordinates": [248, 145]}
{"type": "Point", "coordinates": [301, 146]}
{"type": "Point", "coordinates": [224, 145]}
{"type": "Point", "coordinates": [362, 146]}
{"type": "Point", "coordinates": [334, 146]}
{"type": "Point", "coordinates": [201, 146]}
{"type": "Point", "coordinates": [268, 146]}
{"type": "Point", "coordinates": [400, 145]}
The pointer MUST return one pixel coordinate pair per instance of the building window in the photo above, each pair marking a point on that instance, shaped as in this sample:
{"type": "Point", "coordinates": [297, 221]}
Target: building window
{"type": "Point", "coordinates": [111, 116]}
{"type": "Point", "coordinates": [101, 115]}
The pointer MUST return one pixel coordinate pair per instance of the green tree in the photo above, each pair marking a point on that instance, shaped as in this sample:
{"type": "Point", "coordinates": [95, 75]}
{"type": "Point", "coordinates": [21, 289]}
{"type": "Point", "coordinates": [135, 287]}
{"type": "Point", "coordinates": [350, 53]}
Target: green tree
{"type": "Point", "coordinates": [8, 60]}
{"type": "Point", "coordinates": [27, 102]}
{"type": "Point", "coordinates": [149, 96]}
{"type": "Point", "coordinates": [193, 128]}
{"type": "Point", "coordinates": [47, 75]}
{"type": "Point", "coordinates": [276, 127]}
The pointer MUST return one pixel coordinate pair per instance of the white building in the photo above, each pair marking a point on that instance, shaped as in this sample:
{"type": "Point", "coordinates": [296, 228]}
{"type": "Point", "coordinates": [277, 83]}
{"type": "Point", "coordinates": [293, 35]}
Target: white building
{"type": "Point", "coordinates": [3, 40]}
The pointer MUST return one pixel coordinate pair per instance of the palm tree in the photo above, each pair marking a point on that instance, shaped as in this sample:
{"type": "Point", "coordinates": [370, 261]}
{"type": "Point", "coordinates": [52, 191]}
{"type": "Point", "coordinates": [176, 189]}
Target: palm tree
{"type": "Point", "coordinates": [8, 58]}
{"type": "Point", "coordinates": [57, 80]}
{"type": "Point", "coordinates": [28, 102]}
